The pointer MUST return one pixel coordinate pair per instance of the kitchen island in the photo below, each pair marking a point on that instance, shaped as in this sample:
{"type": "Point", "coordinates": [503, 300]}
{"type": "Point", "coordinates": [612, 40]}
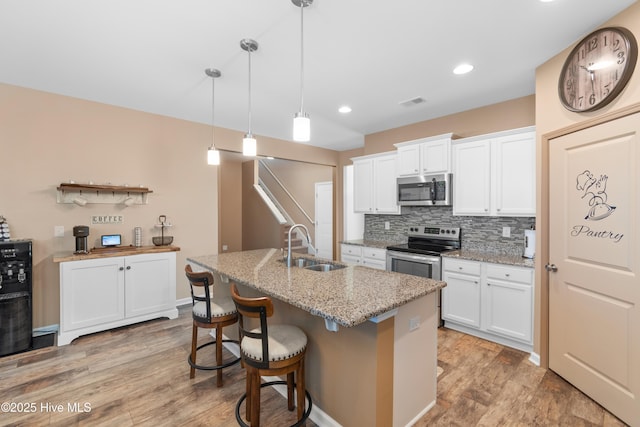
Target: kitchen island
{"type": "Point", "coordinates": [372, 356]}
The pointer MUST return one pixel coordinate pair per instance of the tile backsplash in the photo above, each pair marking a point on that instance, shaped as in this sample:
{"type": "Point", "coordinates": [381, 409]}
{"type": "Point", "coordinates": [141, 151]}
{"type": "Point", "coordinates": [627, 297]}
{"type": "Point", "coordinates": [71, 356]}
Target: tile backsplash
{"type": "Point", "coordinates": [478, 233]}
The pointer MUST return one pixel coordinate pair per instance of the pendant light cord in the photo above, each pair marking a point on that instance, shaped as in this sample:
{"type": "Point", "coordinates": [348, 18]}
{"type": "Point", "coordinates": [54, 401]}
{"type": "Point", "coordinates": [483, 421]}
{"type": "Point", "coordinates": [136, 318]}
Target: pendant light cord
{"type": "Point", "coordinates": [249, 118]}
{"type": "Point", "coordinates": [213, 109]}
{"type": "Point", "coordinates": [301, 57]}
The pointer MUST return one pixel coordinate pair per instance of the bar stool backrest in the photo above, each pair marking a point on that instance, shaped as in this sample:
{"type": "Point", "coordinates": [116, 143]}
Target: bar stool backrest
{"type": "Point", "coordinates": [200, 280]}
{"type": "Point", "coordinates": [256, 308]}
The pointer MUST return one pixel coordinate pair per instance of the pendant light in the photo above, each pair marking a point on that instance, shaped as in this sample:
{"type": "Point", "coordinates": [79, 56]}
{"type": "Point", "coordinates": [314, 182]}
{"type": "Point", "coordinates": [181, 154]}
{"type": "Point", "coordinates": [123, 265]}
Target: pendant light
{"type": "Point", "coordinates": [249, 147]}
{"type": "Point", "coordinates": [213, 155]}
{"type": "Point", "coordinates": [301, 121]}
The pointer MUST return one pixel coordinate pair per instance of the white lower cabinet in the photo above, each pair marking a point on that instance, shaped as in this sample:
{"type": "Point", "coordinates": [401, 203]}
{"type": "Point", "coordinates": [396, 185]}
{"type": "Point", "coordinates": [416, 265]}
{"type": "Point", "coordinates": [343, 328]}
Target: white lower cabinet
{"type": "Point", "coordinates": [104, 293]}
{"type": "Point", "coordinates": [461, 297]}
{"type": "Point", "coordinates": [491, 301]}
{"type": "Point", "coordinates": [364, 255]}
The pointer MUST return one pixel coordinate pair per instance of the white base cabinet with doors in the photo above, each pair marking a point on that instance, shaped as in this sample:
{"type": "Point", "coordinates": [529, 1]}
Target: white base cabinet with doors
{"type": "Point", "coordinates": [108, 292]}
{"type": "Point", "coordinates": [495, 174]}
{"type": "Point", "coordinates": [425, 156]}
{"type": "Point", "coordinates": [490, 301]}
{"type": "Point", "coordinates": [375, 185]}
{"type": "Point", "coordinates": [364, 255]}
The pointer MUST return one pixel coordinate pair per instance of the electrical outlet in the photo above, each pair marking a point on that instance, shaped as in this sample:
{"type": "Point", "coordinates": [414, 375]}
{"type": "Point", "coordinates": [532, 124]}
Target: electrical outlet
{"type": "Point", "coordinates": [414, 323]}
{"type": "Point", "coordinates": [225, 247]}
{"type": "Point", "coordinates": [506, 231]}
{"type": "Point", "coordinates": [58, 231]}
{"type": "Point", "coordinates": [387, 225]}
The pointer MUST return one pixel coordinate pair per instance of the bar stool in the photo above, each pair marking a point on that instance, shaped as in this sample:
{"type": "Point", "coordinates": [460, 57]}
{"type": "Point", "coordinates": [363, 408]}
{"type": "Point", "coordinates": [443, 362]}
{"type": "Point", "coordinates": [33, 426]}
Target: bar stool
{"type": "Point", "coordinates": [209, 314]}
{"type": "Point", "coordinates": [270, 350]}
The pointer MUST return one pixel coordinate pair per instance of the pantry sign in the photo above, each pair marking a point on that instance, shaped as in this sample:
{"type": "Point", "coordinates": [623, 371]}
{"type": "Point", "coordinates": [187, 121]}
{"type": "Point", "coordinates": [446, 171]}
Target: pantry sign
{"type": "Point", "coordinates": [600, 210]}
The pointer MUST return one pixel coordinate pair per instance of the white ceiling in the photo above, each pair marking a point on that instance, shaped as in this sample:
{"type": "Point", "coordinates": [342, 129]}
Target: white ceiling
{"type": "Point", "coordinates": [150, 55]}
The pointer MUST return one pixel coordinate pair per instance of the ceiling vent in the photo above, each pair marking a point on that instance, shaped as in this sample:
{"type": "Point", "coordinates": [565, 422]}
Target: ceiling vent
{"type": "Point", "coordinates": [413, 101]}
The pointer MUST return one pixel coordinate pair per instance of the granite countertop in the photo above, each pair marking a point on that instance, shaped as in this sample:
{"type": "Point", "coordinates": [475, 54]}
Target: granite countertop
{"type": "Point", "coordinates": [378, 244]}
{"type": "Point", "coordinates": [347, 296]}
{"type": "Point", "coordinates": [515, 260]}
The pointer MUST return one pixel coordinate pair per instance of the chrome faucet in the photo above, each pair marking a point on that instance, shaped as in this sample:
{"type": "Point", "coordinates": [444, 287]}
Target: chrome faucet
{"type": "Point", "coordinates": [289, 243]}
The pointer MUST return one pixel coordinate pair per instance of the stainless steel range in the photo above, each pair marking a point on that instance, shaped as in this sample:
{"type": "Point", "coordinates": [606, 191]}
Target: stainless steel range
{"type": "Point", "coordinates": [420, 256]}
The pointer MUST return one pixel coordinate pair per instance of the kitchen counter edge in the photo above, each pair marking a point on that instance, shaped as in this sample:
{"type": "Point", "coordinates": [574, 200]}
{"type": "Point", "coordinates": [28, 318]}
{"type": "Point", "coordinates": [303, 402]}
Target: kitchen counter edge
{"type": "Point", "coordinates": [495, 258]}
{"type": "Point", "coordinates": [115, 252]}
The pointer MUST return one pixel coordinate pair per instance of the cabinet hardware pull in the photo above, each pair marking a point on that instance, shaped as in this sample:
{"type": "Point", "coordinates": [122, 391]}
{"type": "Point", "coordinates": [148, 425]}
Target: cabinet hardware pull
{"type": "Point", "coordinates": [121, 268]}
{"type": "Point", "coordinates": [128, 267]}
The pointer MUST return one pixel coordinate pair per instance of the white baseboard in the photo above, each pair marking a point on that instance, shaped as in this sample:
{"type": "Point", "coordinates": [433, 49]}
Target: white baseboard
{"type": "Point", "coordinates": [534, 358]}
{"type": "Point", "coordinates": [421, 414]}
{"type": "Point", "coordinates": [183, 301]}
{"type": "Point", "coordinates": [317, 415]}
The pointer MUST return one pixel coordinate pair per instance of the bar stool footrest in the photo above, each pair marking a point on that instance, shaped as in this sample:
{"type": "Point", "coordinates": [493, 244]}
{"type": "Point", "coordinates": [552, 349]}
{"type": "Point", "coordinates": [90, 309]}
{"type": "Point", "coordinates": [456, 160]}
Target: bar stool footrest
{"type": "Point", "coordinates": [304, 418]}
{"type": "Point", "coordinates": [213, 368]}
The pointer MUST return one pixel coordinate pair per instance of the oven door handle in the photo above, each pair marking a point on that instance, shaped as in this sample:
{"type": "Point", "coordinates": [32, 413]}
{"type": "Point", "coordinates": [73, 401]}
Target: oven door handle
{"type": "Point", "coordinates": [412, 257]}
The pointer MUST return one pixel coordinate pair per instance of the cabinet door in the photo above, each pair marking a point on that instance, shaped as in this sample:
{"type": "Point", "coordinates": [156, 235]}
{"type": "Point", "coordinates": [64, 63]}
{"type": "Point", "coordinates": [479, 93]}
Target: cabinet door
{"type": "Point", "coordinates": [362, 186]}
{"type": "Point", "coordinates": [385, 185]}
{"type": "Point", "coordinates": [436, 156]}
{"type": "Point", "coordinates": [150, 283]}
{"type": "Point", "coordinates": [472, 178]}
{"type": "Point", "coordinates": [409, 160]}
{"type": "Point", "coordinates": [515, 175]}
{"type": "Point", "coordinates": [91, 292]}
{"type": "Point", "coordinates": [461, 299]}
{"type": "Point", "coordinates": [374, 258]}
{"type": "Point", "coordinates": [508, 309]}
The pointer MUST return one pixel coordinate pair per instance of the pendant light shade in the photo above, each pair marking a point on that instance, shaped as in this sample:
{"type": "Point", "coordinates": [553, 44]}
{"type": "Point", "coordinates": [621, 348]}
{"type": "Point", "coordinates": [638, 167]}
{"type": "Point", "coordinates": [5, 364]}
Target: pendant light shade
{"type": "Point", "coordinates": [249, 145]}
{"type": "Point", "coordinates": [301, 127]}
{"type": "Point", "coordinates": [301, 121]}
{"type": "Point", "coordinates": [213, 155]}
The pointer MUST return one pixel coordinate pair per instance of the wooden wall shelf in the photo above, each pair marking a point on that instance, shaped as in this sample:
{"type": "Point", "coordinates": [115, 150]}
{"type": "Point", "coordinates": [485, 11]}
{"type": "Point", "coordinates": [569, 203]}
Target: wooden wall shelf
{"type": "Point", "coordinates": [99, 188]}
{"type": "Point", "coordinates": [81, 194]}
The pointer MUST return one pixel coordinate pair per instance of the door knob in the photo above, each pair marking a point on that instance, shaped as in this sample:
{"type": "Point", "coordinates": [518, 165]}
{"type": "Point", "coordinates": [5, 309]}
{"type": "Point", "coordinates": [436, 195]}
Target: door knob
{"type": "Point", "coordinates": [551, 267]}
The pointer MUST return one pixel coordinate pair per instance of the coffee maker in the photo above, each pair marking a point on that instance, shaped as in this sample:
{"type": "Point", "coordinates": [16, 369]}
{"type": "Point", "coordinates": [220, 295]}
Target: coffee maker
{"type": "Point", "coordinates": [81, 232]}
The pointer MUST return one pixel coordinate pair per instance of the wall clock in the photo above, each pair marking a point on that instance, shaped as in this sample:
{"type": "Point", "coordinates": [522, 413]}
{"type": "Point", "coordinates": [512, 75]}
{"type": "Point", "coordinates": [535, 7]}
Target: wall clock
{"type": "Point", "coordinates": [597, 69]}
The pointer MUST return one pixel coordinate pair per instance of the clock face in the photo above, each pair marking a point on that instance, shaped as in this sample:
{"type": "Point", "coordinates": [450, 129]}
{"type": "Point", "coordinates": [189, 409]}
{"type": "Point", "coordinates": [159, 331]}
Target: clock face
{"type": "Point", "coordinates": [597, 69]}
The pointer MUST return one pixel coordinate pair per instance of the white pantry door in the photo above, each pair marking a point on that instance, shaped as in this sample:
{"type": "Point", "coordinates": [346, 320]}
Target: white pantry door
{"type": "Point", "coordinates": [324, 220]}
{"type": "Point", "coordinates": [594, 235]}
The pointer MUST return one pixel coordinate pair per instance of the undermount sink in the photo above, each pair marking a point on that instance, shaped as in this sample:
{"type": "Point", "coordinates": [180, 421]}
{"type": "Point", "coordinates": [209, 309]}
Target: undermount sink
{"type": "Point", "coordinates": [314, 264]}
{"type": "Point", "coordinates": [325, 267]}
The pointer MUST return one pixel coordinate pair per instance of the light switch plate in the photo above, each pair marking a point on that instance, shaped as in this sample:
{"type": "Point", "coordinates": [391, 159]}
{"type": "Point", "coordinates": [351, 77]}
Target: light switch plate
{"type": "Point", "coordinates": [506, 231]}
{"type": "Point", "coordinates": [58, 231]}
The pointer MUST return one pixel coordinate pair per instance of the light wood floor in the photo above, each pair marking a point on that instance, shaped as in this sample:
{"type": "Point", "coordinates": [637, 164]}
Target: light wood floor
{"type": "Point", "coordinates": [139, 376]}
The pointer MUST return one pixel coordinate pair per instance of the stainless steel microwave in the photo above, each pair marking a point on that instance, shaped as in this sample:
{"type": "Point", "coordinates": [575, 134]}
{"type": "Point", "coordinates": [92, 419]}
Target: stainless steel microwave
{"type": "Point", "coordinates": [425, 190]}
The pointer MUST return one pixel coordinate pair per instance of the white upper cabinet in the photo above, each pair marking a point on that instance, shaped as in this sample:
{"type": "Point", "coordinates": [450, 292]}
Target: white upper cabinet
{"type": "Point", "coordinates": [425, 156]}
{"type": "Point", "coordinates": [494, 175]}
{"type": "Point", "coordinates": [374, 181]}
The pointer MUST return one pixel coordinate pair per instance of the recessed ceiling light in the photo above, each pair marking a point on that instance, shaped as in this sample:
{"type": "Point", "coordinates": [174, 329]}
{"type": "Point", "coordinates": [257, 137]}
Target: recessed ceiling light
{"type": "Point", "coordinates": [546, 1]}
{"type": "Point", "coordinates": [463, 69]}
{"type": "Point", "coordinates": [344, 109]}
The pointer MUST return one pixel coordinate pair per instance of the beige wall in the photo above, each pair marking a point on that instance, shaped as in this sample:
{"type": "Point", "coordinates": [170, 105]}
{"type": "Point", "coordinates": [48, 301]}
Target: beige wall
{"type": "Point", "coordinates": [47, 139]}
{"type": "Point", "coordinates": [512, 114]}
{"type": "Point", "coordinates": [230, 203]}
{"type": "Point", "coordinates": [552, 120]}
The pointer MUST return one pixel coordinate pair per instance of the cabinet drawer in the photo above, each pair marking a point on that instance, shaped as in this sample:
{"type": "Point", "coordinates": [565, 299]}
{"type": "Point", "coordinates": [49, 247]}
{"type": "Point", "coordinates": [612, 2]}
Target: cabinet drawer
{"type": "Point", "coordinates": [461, 266]}
{"type": "Point", "coordinates": [374, 253]}
{"type": "Point", "coordinates": [511, 274]}
{"type": "Point", "coordinates": [352, 250]}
